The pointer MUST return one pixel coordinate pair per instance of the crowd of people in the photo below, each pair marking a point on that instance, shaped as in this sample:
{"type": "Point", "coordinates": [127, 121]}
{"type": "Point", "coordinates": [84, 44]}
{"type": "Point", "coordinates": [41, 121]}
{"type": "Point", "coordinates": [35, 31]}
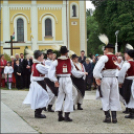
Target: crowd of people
{"type": "Point", "coordinates": [16, 72]}
{"type": "Point", "coordinates": [63, 80]}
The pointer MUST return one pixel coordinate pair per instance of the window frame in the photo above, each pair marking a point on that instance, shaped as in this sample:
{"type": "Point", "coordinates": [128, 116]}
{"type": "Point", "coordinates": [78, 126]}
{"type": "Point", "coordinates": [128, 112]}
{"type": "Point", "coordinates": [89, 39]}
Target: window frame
{"type": "Point", "coordinates": [23, 29]}
{"type": "Point", "coordinates": [43, 28]}
{"type": "Point", "coordinates": [71, 10]}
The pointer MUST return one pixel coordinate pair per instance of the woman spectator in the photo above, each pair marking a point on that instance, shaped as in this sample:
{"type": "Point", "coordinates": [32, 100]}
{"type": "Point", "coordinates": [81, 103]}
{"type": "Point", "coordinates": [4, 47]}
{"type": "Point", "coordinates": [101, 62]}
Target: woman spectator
{"type": "Point", "coordinates": [3, 63]}
{"type": "Point", "coordinates": [88, 68]}
{"type": "Point", "coordinates": [93, 65]}
{"type": "Point", "coordinates": [13, 76]}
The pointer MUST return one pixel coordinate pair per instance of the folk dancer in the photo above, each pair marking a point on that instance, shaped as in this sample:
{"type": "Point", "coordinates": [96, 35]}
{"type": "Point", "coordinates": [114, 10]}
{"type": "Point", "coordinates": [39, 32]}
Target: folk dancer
{"type": "Point", "coordinates": [78, 84]}
{"type": "Point", "coordinates": [105, 75]}
{"type": "Point", "coordinates": [37, 96]}
{"type": "Point", "coordinates": [51, 89]}
{"type": "Point", "coordinates": [60, 72]}
{"type": "Point", "coordinates": [126, 81]}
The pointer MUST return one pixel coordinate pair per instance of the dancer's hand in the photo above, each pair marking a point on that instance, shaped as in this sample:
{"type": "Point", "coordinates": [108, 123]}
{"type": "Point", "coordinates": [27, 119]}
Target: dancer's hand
{"type": "Point", "coordinates": [98, 81]}
{"type": "Point", "coordinates": [120, 85]}
{"type": "Point", "coordinates": [86, 73]}
{"type": "Point", "coordinates": [56, 84]}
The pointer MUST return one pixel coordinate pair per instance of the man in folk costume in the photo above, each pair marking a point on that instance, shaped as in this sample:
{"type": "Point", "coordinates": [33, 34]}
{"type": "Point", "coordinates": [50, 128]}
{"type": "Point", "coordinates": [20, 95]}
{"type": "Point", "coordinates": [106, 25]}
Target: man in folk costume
{"type": "Point", "coordinates": [78, 84]}
{"type": "Point", "coordinates": [37, 96]}
{"type": "Point", "coordinates": [51, 89]}
{"type": "Point", "coordinates": [105, 75]}
{"type": "Point", "coordinates": [60, 73]}
{"type": "Point", "coordinates": [126, 80]}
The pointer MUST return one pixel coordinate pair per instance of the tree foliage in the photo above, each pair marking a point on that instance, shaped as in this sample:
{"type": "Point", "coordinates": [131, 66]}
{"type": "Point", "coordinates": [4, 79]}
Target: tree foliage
{"type": "Point", "coordinates": [113, 15]}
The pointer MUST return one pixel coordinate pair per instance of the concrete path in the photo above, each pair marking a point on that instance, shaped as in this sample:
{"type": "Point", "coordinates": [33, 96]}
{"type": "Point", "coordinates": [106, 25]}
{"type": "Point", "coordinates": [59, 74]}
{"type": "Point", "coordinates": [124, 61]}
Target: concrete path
{"type": "Point", "coordinates": [12, 123]}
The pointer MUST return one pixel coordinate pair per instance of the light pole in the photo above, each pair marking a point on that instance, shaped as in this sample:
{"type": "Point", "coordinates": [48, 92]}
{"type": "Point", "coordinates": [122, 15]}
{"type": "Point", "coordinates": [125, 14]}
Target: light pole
{"type": "Point", "coordinates": [116, 44]}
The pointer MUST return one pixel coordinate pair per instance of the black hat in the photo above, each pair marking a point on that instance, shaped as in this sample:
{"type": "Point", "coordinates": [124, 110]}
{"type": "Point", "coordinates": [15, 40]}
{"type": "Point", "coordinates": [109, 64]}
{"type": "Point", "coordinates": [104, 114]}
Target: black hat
{"type": "Point", "coordinates": [109, 46]}
{"type": "Point", "coordinates": [130, 53]}
{"type": "Point", "coordinates": [63, 50]}
{"type": "Point", "coordinates": [37, 54]}
{"type": "Point", "coordinates": [74, 56]}
{"type": "Point", "coordinates": [49, 51]}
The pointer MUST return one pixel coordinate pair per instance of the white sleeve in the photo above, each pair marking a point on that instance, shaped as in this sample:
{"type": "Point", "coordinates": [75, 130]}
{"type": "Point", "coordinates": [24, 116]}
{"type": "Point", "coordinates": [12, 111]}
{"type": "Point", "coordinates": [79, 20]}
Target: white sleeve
{"type": "Point", "coordinates": [52, 71]}
{"type": "Point", "coordinates": [11, 70]}
{"type": "Point", "coordinates": [99, 66]}
{"type": "Point", "coordinates": [84, 71]}
{"type": "Point", "coordinates": [5, 70]}
{"type": "Point", "coordinates": [122, 72]}
{"type": "Point", "coordinates": [42, 69]}
{"type": "Point", "coordinates": [76, 73]}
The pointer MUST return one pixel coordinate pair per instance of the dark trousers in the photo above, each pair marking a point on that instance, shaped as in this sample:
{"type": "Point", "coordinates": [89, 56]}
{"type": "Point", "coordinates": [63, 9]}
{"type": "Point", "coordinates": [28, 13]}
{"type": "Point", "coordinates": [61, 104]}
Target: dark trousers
{"type": "Point", "coordinates": [27, 80]}
{"type": "Point", "coordinates": [88, 82]}
{"type": "Point", "coordinates": [19, 82]}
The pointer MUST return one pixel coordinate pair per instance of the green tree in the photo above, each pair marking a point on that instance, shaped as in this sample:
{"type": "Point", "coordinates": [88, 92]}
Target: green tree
{"type": "Point", "coordinates": [93, 44]}
{"type": "Point", "coordinates": [113, 15]}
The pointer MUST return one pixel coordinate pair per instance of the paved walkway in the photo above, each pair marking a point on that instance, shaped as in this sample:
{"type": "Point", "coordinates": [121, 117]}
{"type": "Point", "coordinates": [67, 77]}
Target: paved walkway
{"type": "Point", "coordinates": [12, 123]}
{"type": "Point", "coordinates": [87, 121]}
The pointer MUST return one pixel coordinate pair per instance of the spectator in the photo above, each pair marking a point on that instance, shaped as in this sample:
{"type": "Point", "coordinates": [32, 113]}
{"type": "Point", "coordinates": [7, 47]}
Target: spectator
{"type": "Point", "coordinates": [13, 75]}
{"type": "Point", "coordinates": [3, 63]}
{"type": "Point", "coordinates": [22, 63]}
{"type": "Point", "coordinates": [93, 65]}
{"type": "Point", "coordinates": [82, 58]}
{"type": "Point", "coordinates": [88, 68]}
{"type": "Point", "coordinates": [120, 61]}
{"type": "Point", "coordinates": [18, 71]}
{"type": "Point", "coordinates": [28, 66]}
{"type": "Point", "coordinates": [16, 57]}
{"type": "Point", "coordinates": [8, 71]}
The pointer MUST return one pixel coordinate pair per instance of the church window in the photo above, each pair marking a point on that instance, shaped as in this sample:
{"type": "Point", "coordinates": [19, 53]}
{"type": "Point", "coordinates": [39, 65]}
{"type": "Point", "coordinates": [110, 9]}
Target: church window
{"type": "Point", "coordinates": [74, 11]}
{"type": "Point", "coordinates": [20, 30]}
{"type": "Point", "coordinates": [48, 27]}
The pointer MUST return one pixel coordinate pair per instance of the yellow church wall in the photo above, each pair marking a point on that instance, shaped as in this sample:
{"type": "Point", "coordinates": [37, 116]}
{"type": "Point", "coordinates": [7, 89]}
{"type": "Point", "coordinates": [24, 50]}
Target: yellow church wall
{"type": "Point", "coordinates": [58, 25]}
{"type": "Point", "coordinates": [50, 2]}
{"type": "Point", "coordinates": [1, 49]}
{"type": "Point", "coordinates": [74, 32]}
{"type": "Point", "coordinates": [26, 13]}
{"type": "Point", "coordinates": [19, 2]}
{"type": "Point", "coordinates": [45, 47]}
{"type": "Point", "coordinates": [1, 27]}
{"type": "Point", "coordinates": [21, 50]}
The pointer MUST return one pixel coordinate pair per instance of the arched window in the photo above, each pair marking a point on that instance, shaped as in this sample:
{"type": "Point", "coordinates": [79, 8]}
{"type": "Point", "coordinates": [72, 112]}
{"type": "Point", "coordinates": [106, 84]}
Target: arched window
{"type": "Point", "coordinates": [74, 11]}
{"type": "Point", "coordinates": [48, 27]}
{"type": "Point", "coordinates": [20, 30]}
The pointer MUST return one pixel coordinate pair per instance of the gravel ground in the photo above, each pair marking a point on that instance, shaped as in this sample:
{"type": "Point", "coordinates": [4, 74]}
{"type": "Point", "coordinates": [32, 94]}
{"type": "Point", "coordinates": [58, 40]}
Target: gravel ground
{"type": "Point", "coordinates": [87, 121]}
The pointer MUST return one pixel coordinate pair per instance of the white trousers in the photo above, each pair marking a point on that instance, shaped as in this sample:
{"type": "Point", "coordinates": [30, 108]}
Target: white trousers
{"type": "Point", "coordinates": [77, 97]}
{"type": "Point", "coordinates": [110, 93]}
{"type": "Point", "coordinates": [65, 92]}
{"type": "Point", "coordinates": [51, 96]}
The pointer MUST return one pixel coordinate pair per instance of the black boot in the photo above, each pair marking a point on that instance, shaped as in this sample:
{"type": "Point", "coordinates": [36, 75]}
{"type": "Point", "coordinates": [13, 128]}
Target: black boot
{"type": "Point", "coordinates": [44, 109]}
{"type": "Point", "coordinates": [50, 108]}
{"type": "Point", "coordinates": [108, 117]}
{"type": "Point", "coordinates": [61, 118]}
{"type": "Point", "coordinates": [131, 115]}
{"type": "Point", "coordinates": [67, 117]}
{"type": "Point", "coordinates": [114, 119]}
{"type": "Point", "coordinates": [79, 106]}
{"type": "Point", "coordinates": [38, 114]}
{"type": "Point", "coordinates": [127, 111]}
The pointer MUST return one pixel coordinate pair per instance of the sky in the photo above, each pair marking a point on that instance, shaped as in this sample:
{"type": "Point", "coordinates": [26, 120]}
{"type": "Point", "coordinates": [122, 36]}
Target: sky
{"type": "Point", "coordinates": [89, 5]}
